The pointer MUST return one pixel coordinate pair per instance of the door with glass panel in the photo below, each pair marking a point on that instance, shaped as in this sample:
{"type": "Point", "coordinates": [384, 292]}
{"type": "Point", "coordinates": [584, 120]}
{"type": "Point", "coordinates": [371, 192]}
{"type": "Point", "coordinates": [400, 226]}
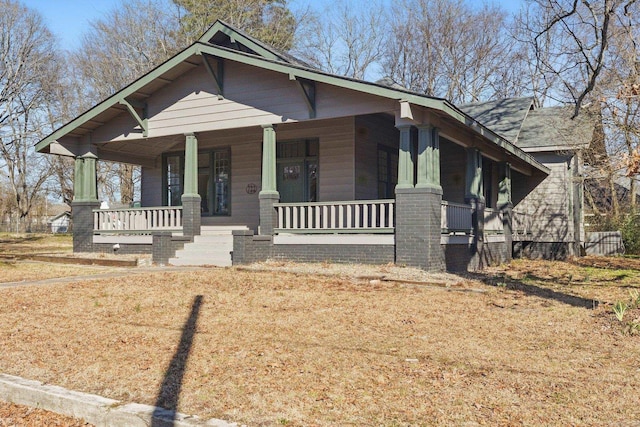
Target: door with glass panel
{"type": "Point", "coordinates": [297, 171]}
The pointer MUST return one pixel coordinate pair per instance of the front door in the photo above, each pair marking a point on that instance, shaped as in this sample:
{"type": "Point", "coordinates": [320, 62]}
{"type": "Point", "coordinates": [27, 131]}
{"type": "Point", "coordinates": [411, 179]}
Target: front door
{"type": "Point", "coordinates": [291, 181]}
{"type": "Point", "coordinates": [297, 171]}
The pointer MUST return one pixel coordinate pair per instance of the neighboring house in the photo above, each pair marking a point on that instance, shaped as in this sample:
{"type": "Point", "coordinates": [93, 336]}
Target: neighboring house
{"type": "Point", "coordinates": [246, 150]}
{"type": "Point", "coordinates": [59, 223]}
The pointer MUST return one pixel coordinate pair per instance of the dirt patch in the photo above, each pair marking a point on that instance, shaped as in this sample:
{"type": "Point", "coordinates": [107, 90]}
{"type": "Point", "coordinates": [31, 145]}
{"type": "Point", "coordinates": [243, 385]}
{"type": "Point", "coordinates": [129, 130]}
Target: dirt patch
{"type": "Point", "coordinates": [23, 416]}
{"type": "Point", "coordinates": [274, 348]}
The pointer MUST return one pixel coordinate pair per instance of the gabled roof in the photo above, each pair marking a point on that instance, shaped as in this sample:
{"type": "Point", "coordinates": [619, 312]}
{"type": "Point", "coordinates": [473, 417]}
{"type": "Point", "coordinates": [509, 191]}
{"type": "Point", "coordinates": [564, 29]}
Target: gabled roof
{"type": "Point", "coordinates": [268, 59]}
{"type": "Point", "coordinates": [223, 34]}
{"type": "Point", "coordinates": [504, 116]}
{"type": "Point", "coordinates": [553, 129]}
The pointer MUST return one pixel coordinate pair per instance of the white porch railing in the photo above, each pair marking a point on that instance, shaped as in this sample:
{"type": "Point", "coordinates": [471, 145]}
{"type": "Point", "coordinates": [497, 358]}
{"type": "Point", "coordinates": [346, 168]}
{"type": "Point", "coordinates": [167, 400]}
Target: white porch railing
{"type": "Point", "coordinates": [361, 216]}
{"type": "Point", "coordinates": [456, 217]}
{"type": "Point", "coordinates": [493, 221]}
{"type": "Point", "coordinates": [137, 220]}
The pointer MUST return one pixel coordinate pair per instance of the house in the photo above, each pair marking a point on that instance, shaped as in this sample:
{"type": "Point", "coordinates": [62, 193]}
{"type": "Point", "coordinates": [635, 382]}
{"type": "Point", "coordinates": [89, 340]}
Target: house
{"type": "Point", "coordinates": [248, 154]}
{"type": "Point", "coordinates": [59, 223]}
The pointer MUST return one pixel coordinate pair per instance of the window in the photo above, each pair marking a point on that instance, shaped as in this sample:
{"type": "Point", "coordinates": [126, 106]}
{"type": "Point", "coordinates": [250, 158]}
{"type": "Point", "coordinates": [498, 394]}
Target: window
{"type": "Point", "coordinates": [214, 173]}
{"type": "Point", "coordinates": [387, 172]}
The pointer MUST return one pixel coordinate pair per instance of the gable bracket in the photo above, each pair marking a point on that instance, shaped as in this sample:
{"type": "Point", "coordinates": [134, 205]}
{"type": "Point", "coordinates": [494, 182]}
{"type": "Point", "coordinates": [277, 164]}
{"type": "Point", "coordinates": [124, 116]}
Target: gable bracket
{"type": "Point", "coordinates": [217, 73]}
{"type": "Point", "coordinates": [308, 89]}
{"type": "Point", "coordinates": [142, 121]}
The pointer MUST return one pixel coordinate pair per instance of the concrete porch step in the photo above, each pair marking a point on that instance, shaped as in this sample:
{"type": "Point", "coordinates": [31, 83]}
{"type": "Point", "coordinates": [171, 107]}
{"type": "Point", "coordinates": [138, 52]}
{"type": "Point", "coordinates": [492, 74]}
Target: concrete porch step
{"type": "Point", "coordinates": [213, 247]}
{"type": "Point", "coordinates": [201, 261]}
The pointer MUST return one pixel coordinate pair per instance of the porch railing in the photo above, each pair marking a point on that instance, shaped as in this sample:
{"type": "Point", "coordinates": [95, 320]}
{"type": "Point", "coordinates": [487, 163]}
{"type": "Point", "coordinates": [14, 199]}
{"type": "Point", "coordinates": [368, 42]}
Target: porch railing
{"type": "Point", "coordinates": [493, 221]}
{"type": "Point", "coordinates": [137, 220]}
{"type": "Point", "coordinates": [456, 218]}
{"type": "Point", "coordinates": [361, 216]}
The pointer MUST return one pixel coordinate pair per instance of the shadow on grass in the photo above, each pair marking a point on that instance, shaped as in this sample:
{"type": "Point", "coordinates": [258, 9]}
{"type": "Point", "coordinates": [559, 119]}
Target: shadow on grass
{"type": "Point", "coordinates": [538, 291]}
{"type": "Point", "coordinates": [167, 401]}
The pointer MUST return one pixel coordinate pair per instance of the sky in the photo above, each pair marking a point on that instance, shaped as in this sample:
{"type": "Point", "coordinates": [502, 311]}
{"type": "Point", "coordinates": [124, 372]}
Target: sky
{"type": "Point", "coordinates": [69, 19]}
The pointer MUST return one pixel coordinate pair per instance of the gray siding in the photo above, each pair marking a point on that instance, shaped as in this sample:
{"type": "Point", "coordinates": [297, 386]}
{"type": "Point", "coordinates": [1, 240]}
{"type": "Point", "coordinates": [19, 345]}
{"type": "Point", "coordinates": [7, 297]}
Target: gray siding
{"type": "Point", "coordinates": [453, 164]}
{"type": "Point", "coordinates": [252, 96]}
{"type": "Point", "coordinates": [370, 132]}
{"type": "Point", "coordinates": [337, 153]}
{"type": "Point", "coordinates": [151, 187]}
{"type": "Point", "coordinates": [550, 204]}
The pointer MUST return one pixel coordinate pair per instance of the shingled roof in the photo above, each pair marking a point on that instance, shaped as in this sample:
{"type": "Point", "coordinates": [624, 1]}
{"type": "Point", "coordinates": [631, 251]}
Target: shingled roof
{"type": "Point", "coordinates": [553, 129]}
{"type": "Point", "coordinates": [505, 116]}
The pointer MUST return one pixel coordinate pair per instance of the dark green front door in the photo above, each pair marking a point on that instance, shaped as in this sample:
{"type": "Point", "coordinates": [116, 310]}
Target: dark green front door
{"type": "Point", "coordinates": [291, 177]}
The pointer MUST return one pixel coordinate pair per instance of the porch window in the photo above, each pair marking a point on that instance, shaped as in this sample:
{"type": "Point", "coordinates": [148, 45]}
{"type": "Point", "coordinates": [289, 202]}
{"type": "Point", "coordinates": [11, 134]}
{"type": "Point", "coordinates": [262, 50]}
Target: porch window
{"type": "Point", "coordinates": [214, 172]}
{"type": "Point", "coordinates": [297, 170]}
{"type": "Point", "coordinates": [387, 172]}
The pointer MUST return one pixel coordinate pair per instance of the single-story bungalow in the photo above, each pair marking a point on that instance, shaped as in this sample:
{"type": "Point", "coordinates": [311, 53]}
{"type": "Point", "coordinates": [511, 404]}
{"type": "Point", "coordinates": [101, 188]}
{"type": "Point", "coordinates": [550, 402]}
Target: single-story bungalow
{"type": "Point", "coordinates": [248, 154]}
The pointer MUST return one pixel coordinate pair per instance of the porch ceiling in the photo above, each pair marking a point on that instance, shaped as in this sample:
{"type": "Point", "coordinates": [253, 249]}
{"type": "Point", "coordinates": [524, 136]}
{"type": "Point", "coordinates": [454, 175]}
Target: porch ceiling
{"type": "Point", "coordinates": [143, 152]}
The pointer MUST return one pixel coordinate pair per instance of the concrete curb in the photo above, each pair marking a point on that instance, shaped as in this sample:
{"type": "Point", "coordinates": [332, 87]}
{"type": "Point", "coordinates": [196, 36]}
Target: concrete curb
{"type": "Point", "coordinates": [94, 409]}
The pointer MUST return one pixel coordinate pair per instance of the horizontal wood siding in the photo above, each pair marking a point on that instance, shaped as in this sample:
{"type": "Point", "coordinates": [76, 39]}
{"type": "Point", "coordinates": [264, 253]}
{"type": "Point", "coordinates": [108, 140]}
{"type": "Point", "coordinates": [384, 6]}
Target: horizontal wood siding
{"type": "Point", "coordinates": [453, 166]}
{"type": "Point", "coordinates": [549, 204]}
{"type": "Point", "coordinates": [336, 162]}
{"type": "Point", "coordinates": [151, 187]}
{"type": "Point", "coordinates": [252, 96]}
{"type": "Point", "coordinates": [370, 132]}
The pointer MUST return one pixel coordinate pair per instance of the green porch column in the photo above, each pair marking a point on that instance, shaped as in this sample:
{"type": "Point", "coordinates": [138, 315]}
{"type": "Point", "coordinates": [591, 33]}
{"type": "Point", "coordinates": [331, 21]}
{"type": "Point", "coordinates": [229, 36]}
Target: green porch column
{"type": "Point", "coordinates": [474, 196]}
{"type": "Point", "coordinates": [405, 158]}
{"type": "Point", "coordinates": [428, 157]}
{"type": "Point", "coordinates": [269, 160]}
{"type": "Point", "coordinates": [473, 188]}
{"type": "Point", "coordinates": [506, 206]}
{"type": "Point", "coordinates": [191, 220]}
{"type": "Point", "coordinates": [269, 192]}
{"type": "Point", "coordinates": [190, 165]}
{"type": "Point", "coordinates": [85, 188]}
{"type": "Point", "coordinates": [85, 200]}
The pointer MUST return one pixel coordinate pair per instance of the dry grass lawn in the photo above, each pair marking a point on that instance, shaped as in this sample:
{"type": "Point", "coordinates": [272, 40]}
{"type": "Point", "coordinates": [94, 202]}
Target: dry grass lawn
{"type": "Point", "coordinates": [34, 243]}
{"type": "Point", "coordinates": [273, 348]}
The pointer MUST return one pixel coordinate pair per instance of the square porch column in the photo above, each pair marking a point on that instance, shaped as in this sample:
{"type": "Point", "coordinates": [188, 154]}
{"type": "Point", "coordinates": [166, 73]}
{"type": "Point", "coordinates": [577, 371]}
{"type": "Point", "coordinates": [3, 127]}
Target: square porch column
{"type": "Point", "coordinates": [418, 208]}
{"type": "Point", "coordinates": [268, 193]}
{"type": "Point", "coordinates": [474, 191]}
{"type": "Point", "coordinates": [191, 215]}
{"type": "Point", "coordinates": [506, 206]}
{"type": "Point", "coordinates": [85, 200]}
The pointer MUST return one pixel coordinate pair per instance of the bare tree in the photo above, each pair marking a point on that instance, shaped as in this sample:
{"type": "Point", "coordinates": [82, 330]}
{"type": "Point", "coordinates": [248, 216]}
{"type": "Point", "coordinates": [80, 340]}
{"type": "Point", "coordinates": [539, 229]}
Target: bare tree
{"type": "Point", "coordinates": [446, 48]}
{"type": "Point", "coordinates": [571, 40]}
{"type": "Point", "coordinates": [28, 72]}
{"type": "Point", "coordinates": [130, 40]}
{"type": "Point", "coordinates": [346, 39]}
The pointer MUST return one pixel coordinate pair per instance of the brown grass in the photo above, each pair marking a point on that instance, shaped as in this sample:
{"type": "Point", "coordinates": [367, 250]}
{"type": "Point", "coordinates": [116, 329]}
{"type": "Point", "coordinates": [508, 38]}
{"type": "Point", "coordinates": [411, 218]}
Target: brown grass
{"type": "Point", "coordinates": [33, 243]}
{"type": "Point", "coordinates": [290, 349]}
{"type": "Point", "coordinates": [23, 416]}
{"type": "Point", "coordinates": [19, 271]}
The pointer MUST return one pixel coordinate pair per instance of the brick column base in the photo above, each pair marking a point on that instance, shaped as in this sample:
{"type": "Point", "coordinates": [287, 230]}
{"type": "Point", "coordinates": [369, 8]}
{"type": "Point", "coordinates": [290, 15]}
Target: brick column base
{"type": "Point", "coordinates": [267, 213]}
{"type": "Point", "coordinates": [191, 219]}
{"type": "Point", "coordinates": [418, 228]}
{"type": "Point", "coordinates": [162, 247]}
{"type": "Point", "coordinates": [82, 217]}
